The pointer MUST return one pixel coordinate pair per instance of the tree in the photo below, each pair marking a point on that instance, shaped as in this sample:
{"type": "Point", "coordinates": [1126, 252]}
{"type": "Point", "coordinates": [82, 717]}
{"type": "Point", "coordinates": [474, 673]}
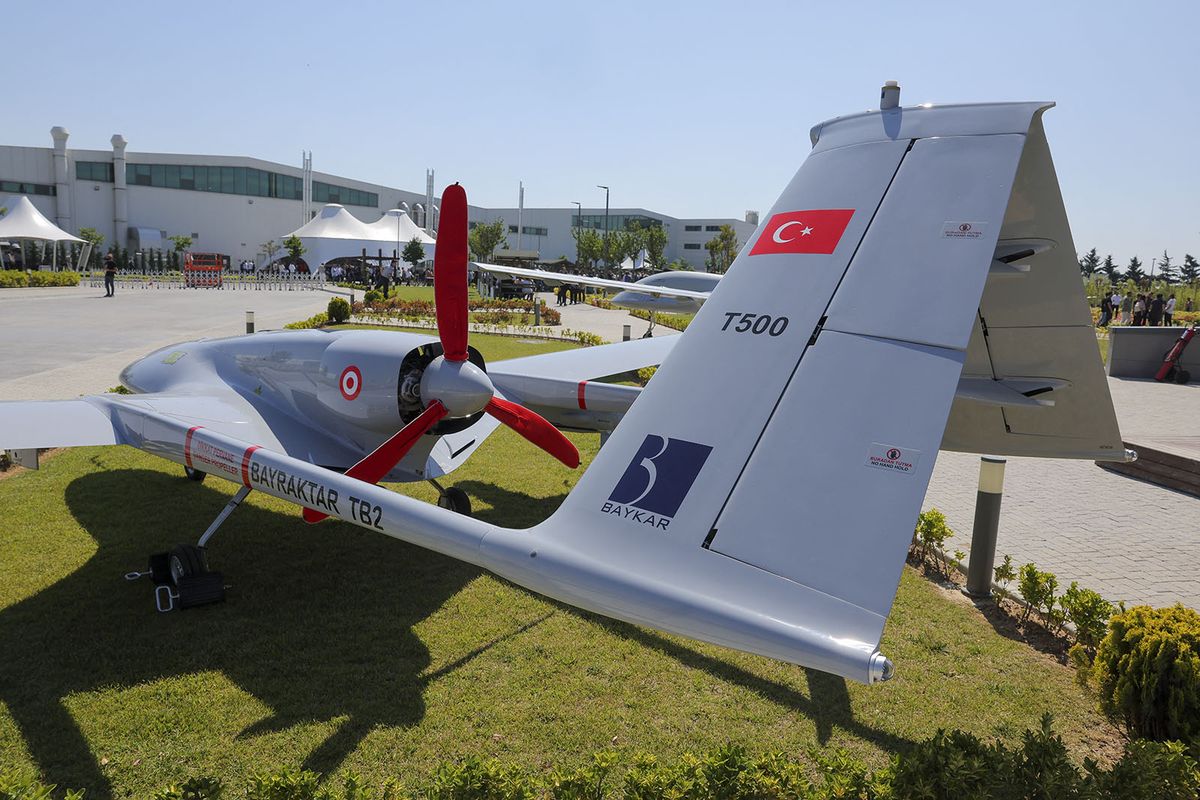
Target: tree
{"type": "Point", "coordinates": [722, 249]}
{"type": "Point", "coordinates": [1134, 271]}
{"type": "Point", "coordinates": [1166, 270]}
{"type": "Point", "coordinates": [182, 242]}
{"type": "Point", "coordinates": [1189, 272]}
{"type": "Point", "coordinates": [270, 247]}
{"type": "Point", "coordinates": [1109, 268]}
{"type": "Point", "coordinates": [95, 239]}
{"type": "Point", "coordinates": [622, 244]}
{"type": "Point", "coordinates": [655, 242]}
{"type": "Point", "coordinates": [294, 247]}
{"type": "Point", "coordinates": [414, 252]}
{"type": "Point", "coordinates": [589, 246]}
{"type": "Point", "coordinates": [485, 237]}
{"type": "Point", "coordinates": [1089, 263]}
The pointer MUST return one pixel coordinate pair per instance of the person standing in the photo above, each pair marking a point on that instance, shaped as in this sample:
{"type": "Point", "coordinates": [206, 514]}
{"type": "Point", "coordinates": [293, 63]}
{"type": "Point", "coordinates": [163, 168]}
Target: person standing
{"type": "Point", "coordinates": [1156, 310]}
{"type": "Point", "coordinates": [110, 276]}
{"type": "Point", "coordinates": [1169, 311]}
{"type": "Point", "coordinates": [1105, 312]}
{"type": "Point", "coordinates": [1126, 308]}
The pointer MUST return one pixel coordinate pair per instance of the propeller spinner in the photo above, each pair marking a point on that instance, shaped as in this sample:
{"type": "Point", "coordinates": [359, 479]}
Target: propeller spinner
{"type": "Point", "coordinates": [451, 386]}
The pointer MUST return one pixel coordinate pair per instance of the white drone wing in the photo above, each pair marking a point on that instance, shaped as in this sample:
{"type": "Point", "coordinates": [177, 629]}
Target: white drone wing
{"type": "Point", "coordinates": [556, 278]}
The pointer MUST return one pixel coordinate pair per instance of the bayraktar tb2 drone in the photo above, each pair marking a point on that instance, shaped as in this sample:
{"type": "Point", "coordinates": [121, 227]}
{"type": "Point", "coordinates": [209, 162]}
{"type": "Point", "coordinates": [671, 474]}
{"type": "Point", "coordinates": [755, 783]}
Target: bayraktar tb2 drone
{"type": "Point", "coordinates": [761, 492]}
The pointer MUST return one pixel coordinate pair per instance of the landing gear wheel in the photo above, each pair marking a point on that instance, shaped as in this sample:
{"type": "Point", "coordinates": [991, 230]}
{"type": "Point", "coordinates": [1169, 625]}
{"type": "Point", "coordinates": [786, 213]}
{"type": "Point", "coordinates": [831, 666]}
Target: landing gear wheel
{"type": "Point", "coordinates": [1182, 376]}
{"type": "Point", "coordinates": [187, 561]}
{"type": "Point", "coordinates": [194, 474]}
{"type": "Point", "coordinates": [456, 500]}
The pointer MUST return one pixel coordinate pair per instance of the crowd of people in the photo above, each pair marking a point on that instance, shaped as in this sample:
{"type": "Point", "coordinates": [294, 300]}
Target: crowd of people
{"type": "Point", "coordinates": [1141, 309]}
{"type": "Point", "coordinates": [569, 294]}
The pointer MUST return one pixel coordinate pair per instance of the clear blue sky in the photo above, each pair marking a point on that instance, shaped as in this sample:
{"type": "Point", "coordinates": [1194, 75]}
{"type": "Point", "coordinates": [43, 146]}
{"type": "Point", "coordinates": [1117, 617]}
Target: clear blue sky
{"type": "Point", "coordinates": [689, 108]}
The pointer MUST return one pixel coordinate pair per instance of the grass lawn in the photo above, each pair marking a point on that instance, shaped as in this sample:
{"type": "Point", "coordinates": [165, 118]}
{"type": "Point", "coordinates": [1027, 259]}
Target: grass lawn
{"type": "Point", "coordinates": [342, 649]}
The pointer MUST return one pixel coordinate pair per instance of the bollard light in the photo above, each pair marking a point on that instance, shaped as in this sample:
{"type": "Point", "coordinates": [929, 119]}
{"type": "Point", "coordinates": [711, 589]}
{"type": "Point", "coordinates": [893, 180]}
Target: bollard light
{"type": "Point", "coordinates": [249, 322]}
{"type": "Point", "coordinates": [625, 333]}
{"type": "Point", "coordinates": [987, 526]}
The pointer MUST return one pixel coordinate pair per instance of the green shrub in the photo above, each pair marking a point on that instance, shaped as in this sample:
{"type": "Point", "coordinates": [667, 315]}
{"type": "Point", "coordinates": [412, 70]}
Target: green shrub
{"type": "Point", "coordinates": [1147, 672]}
{"type": "Point", "coordinates": [586, 338]}
{"type": "Point", "coordinates": [1147, 771]}
{"type": "Point", "coordinates": [372, 297]}
{"type": "Point", "coordinates": [930, 537]}
{"type": "Point", "coordinates": [645, 374]}
{"type": "Point", "coordinates": [1089, 613]}
{"type": "Point", "coordinates": [473, 779]}
{"type": "Point", "coordinates": [315, 321]}
{"type": "Point", "coordinates": [18, 786]}
{"type": "Point", "coordinates": [1037, 589]}
{"type": "Point", "coordinates": [192, 789]}
{"type": "Point", "coordinates": [1003, 575]}
{"type": "Point", "coordinates": [339, 310]}
{"type": "Point", "coordinates": [582, 783]}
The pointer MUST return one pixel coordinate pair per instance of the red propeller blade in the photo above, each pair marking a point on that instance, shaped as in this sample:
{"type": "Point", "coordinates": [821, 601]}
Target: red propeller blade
{"type": "Point", "coordinates": [450, 274]}
{"type": "Point", "coordinates": [380, 462]}
{"type": "Point", "coordinates": [534, 428]}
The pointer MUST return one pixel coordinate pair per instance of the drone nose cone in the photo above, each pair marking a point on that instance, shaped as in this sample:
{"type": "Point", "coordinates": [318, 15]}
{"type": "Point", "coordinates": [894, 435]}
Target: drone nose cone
{"type": "Point", "coordinates": [462, 387]}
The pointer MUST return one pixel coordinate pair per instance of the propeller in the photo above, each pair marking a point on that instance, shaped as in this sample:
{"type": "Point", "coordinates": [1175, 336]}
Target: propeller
{"type": "Point", "coordinates": [452, 386]}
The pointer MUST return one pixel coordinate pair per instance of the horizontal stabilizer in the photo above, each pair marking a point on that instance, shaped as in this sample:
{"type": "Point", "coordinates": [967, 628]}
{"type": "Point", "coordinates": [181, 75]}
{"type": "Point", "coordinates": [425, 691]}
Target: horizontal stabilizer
{"type": "Point", "coordinates": [31, 424]}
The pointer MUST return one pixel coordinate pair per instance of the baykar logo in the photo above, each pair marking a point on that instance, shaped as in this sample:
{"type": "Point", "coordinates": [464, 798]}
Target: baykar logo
{"type": "Point", "coordinates": [656, 481]}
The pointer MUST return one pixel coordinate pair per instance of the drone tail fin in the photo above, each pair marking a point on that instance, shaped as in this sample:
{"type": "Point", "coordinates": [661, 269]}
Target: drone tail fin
{"type": "Point", "coordinates": [762, 491]}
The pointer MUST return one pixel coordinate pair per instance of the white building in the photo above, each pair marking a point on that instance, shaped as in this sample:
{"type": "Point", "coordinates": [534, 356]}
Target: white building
{"type": "Point", "coordinates": [233, 205]}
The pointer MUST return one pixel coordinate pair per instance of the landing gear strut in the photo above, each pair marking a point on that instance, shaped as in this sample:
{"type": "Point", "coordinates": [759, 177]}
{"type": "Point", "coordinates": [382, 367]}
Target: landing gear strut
{"type": "Point", "coordinates": [453, 498]}
{"type": "Point", "coordinates": [181, 577]}
{"type": "Point", "coordinates": [649, 331]}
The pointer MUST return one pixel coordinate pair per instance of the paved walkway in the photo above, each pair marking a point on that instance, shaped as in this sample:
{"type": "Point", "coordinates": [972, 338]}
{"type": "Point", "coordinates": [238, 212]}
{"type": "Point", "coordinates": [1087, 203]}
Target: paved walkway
{"type": "Point", "coordinates": [607, 324]}
{"type": "Point", "coordinates": [1127, 539]}
{"type": "Point", "coordinates": [63, 342]}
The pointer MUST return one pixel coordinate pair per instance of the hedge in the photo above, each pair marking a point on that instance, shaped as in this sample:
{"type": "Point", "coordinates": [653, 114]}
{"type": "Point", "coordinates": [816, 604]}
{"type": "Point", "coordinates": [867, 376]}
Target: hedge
{"type": "Point", "coordinates": [950, 765]}
{"type": "Point", "coordinates": [16, 278]}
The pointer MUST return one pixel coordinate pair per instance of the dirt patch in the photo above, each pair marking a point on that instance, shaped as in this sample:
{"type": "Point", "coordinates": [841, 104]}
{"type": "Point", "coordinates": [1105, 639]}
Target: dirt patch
{"type": "Point", "coordinates": [43, 457]}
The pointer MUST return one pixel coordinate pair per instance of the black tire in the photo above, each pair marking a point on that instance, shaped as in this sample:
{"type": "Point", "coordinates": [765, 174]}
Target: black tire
{"type": "Point", "coordinates": [194, 474]}
{"type": "Point", "coordinates": [187, 561]}
{"type": "Point", "coordinates": [456, 500]}
{"type": "Point", "coordinates": [1182, 376]}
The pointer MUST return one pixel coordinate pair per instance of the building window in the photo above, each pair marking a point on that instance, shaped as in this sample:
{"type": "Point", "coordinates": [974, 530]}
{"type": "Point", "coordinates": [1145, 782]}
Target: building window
{"type": "Point", "coordinates": [512, 228]}
{"type": "Point", "coordinates": [616, 222]}
{"type": "Point", "coordinates": [16, 187]}
{"type": "Point", "coordinates": [527, 230]}
{"type": "Point", "coordinates": [226, 180]}
{"type": "Point", "coordinates": [94, 171]}
{"type": "Point", "coordinates": [691, 246]}
{"type": "Point", "coordinates": [691, 228]}
{"type": "Point", "coordinates": [713, 228]}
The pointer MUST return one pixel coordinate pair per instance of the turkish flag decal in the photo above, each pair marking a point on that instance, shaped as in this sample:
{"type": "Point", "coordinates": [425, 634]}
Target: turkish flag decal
{"type": "Point", "coordinates": [803, 232]}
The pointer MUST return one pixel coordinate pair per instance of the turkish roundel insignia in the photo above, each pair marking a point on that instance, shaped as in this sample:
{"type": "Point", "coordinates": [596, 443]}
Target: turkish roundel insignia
{"type": "Point", "coordinates": [803, 232]}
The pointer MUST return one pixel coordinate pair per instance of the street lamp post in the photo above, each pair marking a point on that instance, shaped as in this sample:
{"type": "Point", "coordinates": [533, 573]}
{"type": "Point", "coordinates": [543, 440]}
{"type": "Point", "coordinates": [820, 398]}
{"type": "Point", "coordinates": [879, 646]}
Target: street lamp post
{"type": "Point", "coordinates": [607, 263]}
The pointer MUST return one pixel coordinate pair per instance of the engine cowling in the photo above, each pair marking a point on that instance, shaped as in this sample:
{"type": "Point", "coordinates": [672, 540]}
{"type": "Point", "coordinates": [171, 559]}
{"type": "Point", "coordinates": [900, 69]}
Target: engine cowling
{"type": "Point", "coordinates": [367, 381]}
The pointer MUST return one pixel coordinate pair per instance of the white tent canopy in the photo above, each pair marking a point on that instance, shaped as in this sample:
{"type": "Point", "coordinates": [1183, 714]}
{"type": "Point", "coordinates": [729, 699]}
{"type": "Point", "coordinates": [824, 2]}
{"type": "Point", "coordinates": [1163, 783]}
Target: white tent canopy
{"type": "Point", "coordinates": [396, 226]}
{"type": "Point", "coordinates": [23, 221]}
{"type": "Point", "coordinates": [336, 233]}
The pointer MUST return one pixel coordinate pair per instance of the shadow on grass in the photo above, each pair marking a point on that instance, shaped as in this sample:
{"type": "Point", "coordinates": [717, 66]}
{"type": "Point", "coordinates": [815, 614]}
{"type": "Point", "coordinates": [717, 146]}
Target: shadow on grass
{"type": "Point", "coordinates": [318, 624]}
{"type": "Point", "coordinates": [828, 703]}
